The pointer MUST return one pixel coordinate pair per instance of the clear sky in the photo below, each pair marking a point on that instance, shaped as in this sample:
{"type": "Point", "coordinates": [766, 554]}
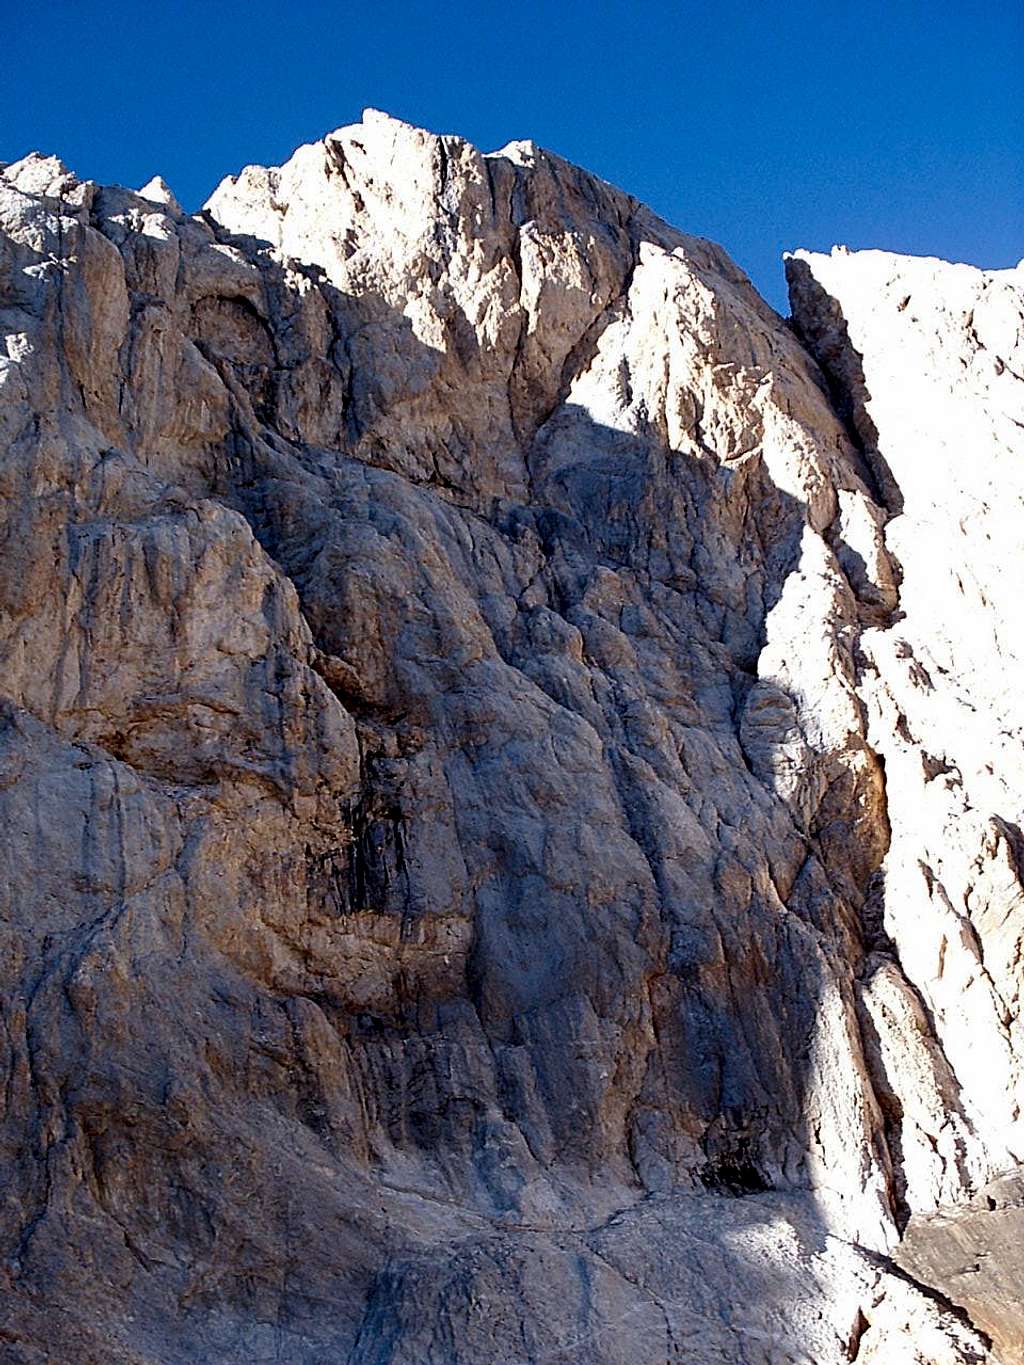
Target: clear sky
{"type": "Point", "coordinates": [763, 125]}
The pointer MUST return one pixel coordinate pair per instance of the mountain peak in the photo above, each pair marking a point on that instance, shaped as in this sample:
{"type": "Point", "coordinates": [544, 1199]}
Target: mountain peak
{"type": "Point", "coordinates": [512, 776]}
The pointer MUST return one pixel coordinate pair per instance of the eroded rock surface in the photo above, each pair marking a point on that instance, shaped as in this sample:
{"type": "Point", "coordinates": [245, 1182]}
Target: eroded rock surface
{"type": "Point", "coordinates": [510, 853]}
{"type": "Point", "coordinates": [974, 1254]}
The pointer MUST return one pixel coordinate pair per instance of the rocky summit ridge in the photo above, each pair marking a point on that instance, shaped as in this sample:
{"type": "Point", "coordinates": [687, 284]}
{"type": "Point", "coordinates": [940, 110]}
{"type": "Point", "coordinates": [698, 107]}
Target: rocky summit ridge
{"type": "Point", "coordinates": [511, 775]}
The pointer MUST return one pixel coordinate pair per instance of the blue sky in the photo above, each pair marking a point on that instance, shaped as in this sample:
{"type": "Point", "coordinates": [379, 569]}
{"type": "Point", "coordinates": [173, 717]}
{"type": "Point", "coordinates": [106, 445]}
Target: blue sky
{"type": "Point", "coordinates": [765, 126]}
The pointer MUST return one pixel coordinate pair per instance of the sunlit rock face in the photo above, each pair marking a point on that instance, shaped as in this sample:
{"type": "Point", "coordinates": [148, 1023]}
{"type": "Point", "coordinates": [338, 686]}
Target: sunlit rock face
{"type": "Point", "coordinates": [511, 772]}
{"type": "Point", "coordinates": [927, 361]}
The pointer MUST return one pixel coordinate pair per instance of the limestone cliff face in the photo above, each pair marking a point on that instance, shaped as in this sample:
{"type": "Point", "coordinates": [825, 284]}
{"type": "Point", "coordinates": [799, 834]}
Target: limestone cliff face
{"type": "Point", "coordinates": [511, 773]}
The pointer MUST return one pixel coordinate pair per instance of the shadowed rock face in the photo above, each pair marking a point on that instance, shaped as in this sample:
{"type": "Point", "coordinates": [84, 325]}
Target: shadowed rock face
{"type": "Point", "coordinates": [506, 857]}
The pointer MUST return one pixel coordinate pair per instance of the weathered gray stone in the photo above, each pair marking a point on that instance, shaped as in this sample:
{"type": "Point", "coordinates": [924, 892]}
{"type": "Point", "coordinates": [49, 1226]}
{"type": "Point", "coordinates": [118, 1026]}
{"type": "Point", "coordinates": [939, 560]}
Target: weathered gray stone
{"type": "Point", "coordinates": [450, 637]}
